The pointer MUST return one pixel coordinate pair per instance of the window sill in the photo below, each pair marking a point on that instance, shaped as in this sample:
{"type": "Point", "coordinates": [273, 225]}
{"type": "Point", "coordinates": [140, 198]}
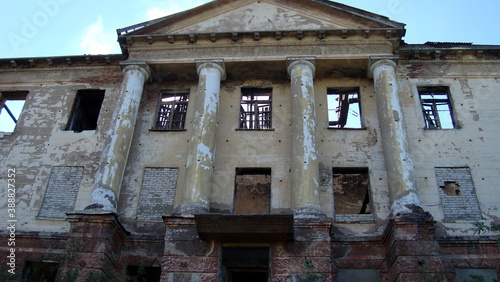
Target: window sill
{"type": "Point", "coordinates": [243, 129]}
{"type": "Point", "coordinates": [170, 130]}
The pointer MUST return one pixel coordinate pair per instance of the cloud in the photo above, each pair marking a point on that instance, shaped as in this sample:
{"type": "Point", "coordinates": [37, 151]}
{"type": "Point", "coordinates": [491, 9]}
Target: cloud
{"type": "Point", "coordinates": [171, 7]}
{"type": "Point", "coordinates": [97, 40]}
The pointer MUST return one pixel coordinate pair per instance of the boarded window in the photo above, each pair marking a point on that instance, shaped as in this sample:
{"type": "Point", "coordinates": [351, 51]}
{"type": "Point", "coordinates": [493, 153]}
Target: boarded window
{"type": "Point", "coordinates": [157, 193]}
{"type": "Point", "coordinates": [457, 193]}
{"type": "Point", "coordinates": [11, 106]}
{"type": "Point", "coordinates": [436, 107]}
{"type": "Point", "coordinates": [344, 110]}
{"type": "Point", "coordinates": [253, 190]}
{"type": "Point", "coordinates": [245, 264]}
{"type": "Point", "coordinates": [85, 112]}
{"type": "Point", "coordinates": [172, 110]}
{"type": "Point", "coordinates": [351, 194]}
{"type": "Point", "coordinates": [255, 108]}
{"type": "Point", "coordinates": [61, 192]}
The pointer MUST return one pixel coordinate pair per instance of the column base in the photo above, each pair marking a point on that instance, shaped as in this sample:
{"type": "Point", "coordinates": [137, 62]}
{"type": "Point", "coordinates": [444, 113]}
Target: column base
{"type": "Point", "coordinates": [191, 209]}
{"type": "Point", "coordinates": [307, 212]}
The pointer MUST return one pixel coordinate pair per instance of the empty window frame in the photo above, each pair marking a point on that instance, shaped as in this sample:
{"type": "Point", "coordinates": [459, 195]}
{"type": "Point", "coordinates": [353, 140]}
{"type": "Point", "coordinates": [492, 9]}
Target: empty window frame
{"type": "Point", "coordinates": [252, 190]}
{"type": "Point", "coordinates": [11, 106]}
{"type": "Point", "coordinates": [256, 108]}
{"type": "Point", "coordinates": [436, 107]}
{"type": "Point", "coordinates": [172, 110]}
{"type": "Point", "coordinates": [344, 110]}
{"type": "Point", "coordinates": [351, 191]}
{"type": "Point", "coordinates": [85, 112]}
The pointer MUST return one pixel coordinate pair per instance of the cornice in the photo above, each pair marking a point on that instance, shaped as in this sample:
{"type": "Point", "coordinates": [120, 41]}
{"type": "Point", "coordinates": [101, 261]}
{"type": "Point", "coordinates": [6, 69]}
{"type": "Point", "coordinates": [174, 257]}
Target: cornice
{"type": "Point", "coordinates": [62, 62]}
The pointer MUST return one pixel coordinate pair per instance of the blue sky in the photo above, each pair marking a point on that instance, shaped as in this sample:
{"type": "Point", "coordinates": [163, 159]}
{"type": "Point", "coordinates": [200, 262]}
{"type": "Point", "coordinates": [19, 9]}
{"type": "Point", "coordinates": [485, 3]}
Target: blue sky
{"type": "Point", "coordinates": [39, 28]}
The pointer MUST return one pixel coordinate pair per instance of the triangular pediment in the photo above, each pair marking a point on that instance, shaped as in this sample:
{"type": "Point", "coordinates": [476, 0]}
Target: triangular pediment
{"type": "Point", "coordinates": [223, 16]}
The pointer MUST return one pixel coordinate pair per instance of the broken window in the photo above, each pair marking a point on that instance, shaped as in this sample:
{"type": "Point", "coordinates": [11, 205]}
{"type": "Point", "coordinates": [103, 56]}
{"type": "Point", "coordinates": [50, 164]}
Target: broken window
{"type": "Point", "coordinates": [351, 193]}
{"type": "Point", "coordinates": [143, 273]}
{"type": "Point", "coordinates": [436, 107]}
{"type": "Point", "coordinates": [245, 264]}
{"type": "Point", "coordinates": [85, 110]}
{"type": "Point", "coordinates": [255, 108]}
{"type": "Point", "coordinates": [344, 110]}
{"type": "Point", "coordinates": [172, 110]}
{"type": "Point", "coordinates": [253, 190]}
{"type": "Point", "coordinates": [11, 106]}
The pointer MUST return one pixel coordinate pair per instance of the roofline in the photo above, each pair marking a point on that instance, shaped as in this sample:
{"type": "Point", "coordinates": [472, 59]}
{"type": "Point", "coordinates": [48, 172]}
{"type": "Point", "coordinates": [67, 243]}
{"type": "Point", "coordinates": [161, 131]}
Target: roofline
{"type": "Point", "coordinates": [358, 12]}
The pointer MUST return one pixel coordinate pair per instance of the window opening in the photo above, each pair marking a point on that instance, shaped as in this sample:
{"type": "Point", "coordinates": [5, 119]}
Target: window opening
{"type": "Point", "coordinates": [436, 107]}
{"type": "Point", "coordinates": [245, 264]}
{"type": "Point", "coordinates": [11, 106]}
{"type": "Point", "coordinates": [40, 271]}
{"type": "Point", "coordinates": [172, 111]}
{"type": "Point", "coordinates": [85, 112]}
{"type": "Point", "coordinates": [252, 191]}
{"type": "Point", "coordinates": [255, 108]}
{"type": "Point", "coordinates": [344, 110]}
{"type": "Point", "coordinates": [143, 273]}
{"type": "Point", "coordinates": [351, 193]}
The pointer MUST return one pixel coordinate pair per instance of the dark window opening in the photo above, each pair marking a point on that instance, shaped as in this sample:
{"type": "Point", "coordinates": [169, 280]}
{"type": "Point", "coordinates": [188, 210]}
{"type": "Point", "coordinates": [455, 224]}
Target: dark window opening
{"type": "Point", "coordinates": [436, 107]}
{"type": "Point", "coordinates": [85, 112]}
{"type": "Point", "coordinates": [40, 271]}
{"type": "Point", "coordinates": [344, 110]}
{"type": "Point", "coordinates": [11, 106]}
{"type": "Point", "coordinates": [255, 108]}
{"type": "Point", "coordinates": [172, 110]}
{"type": "Point", "coordinates": [351, 193]}
{"type": "Point", "coordinates": [252, 190]}
{"type": "Point", "coordinates": [245, 264]}
{"type": "Point", "coordinates": [140, 273]}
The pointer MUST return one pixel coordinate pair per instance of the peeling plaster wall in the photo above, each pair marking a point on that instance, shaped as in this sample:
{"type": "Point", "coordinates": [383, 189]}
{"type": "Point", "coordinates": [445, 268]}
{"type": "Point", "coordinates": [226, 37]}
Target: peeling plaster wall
{"type": "Point", "coordinates": [474, 89]}
{"type": "Point", "coordinates": [40, 142]}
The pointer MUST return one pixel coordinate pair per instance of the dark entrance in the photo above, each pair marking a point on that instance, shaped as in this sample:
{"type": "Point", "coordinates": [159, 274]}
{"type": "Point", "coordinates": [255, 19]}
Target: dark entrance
{"type": "Point", "coordinates": [242, 264]}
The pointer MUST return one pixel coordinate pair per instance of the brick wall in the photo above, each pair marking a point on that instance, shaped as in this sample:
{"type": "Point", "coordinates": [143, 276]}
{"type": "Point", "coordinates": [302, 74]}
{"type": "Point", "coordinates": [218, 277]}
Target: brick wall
{"type": "Point", "coordinates": [61, 192]}
{"type": "Point", "coordinates": [462, 205]}
{"type": "Point", "coordinates": [157, 193]}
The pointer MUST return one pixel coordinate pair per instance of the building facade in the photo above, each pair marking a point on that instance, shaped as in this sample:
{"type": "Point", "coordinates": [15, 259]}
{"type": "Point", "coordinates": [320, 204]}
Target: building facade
{"type": "Point", "coordinates": [249, 140]}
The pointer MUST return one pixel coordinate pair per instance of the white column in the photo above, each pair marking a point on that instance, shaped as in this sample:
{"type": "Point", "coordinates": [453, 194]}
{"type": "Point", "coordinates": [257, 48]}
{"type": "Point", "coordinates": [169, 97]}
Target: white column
{"type": "Point", "coordinates": [398, 160]}
{"type": "Point", "coordinates": [304, 160]}
{"type": "Point", "coordinates": [199, 166]}
{"type": "Point", "coordinates": [114, 156]}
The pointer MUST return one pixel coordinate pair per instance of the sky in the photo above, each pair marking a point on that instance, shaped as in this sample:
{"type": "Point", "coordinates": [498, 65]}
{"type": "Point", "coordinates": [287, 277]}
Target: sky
{"type": "Point", "coordinates": [42, 28]}
{"type": "Point", "coordinates": [38, 28]}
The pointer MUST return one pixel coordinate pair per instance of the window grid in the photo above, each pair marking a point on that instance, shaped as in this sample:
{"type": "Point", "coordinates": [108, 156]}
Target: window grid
{"type": "Point", "coordinates": [256, 108]}
{"type": "Point", "coordinates": [172, 111]}
{"type": "Point", "coordinates": [436, 108]}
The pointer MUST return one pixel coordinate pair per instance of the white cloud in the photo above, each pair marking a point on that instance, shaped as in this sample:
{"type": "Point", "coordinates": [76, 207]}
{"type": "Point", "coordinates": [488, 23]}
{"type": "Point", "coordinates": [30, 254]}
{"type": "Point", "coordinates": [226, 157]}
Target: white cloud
{"type": "Point", "coordinates": [97, 40]}
{"type": "Point", "coordinates": [172, 7]}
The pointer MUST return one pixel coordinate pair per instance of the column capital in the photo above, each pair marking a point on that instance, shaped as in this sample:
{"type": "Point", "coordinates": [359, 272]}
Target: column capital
{"type": "Point", "coordinates": [141, 66]}
{"type": "Point", "coordinates": [212, 63]}
{"type": "Point", "coordinates": [376, 61]}
{"type": "Point", "coordinates": [291, 62]}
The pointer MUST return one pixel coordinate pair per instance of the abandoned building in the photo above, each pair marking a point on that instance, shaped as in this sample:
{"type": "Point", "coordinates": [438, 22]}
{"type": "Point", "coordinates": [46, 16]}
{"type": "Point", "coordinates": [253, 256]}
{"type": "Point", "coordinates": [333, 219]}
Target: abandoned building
{"type": "Point", "coordinates": [245, 140]}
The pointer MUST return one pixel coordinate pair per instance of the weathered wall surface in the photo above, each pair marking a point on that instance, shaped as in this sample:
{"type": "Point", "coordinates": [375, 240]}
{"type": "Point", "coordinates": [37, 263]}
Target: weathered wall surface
{"type": "Point", "coordinates": [40, 142]}
{"type": "Point", "coordinates": [474, 86]}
